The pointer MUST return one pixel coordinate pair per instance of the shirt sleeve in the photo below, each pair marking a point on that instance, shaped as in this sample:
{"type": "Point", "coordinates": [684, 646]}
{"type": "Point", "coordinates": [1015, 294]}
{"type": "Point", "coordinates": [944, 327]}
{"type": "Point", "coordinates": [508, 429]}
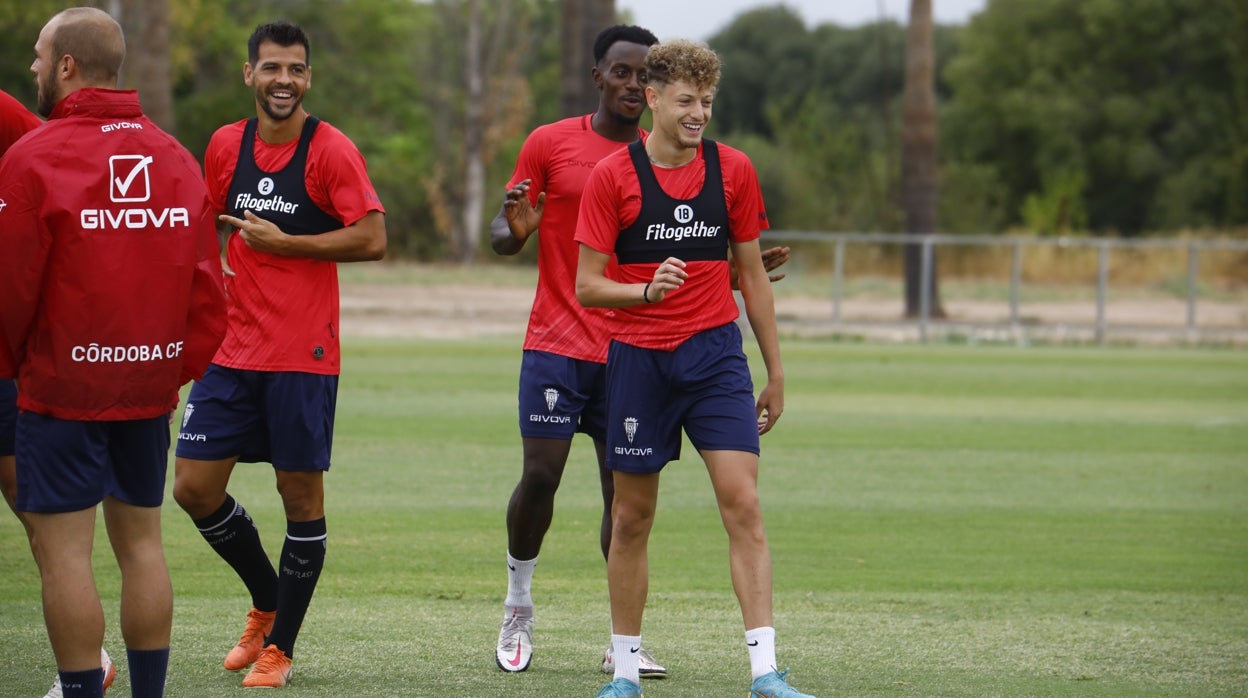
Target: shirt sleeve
{"type": "Point", "coordinates": [25, 243]}
{"type": "Point", "coordinates": [219, 160]}
{"type": "Point", "coordinates": [531, 164]}
{"type": "Point", "coordinates": [206, 314]}
{"type": "Point", "coordinates": [746, 213]}
{"type": "Point", "coordinates": [338, 177]}
{"type": "Point", "coordinates": [597, 224]}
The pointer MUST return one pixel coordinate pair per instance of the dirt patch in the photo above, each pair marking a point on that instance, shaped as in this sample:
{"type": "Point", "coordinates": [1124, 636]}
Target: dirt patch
{"type": "Point", "coordinates": [447, 311]}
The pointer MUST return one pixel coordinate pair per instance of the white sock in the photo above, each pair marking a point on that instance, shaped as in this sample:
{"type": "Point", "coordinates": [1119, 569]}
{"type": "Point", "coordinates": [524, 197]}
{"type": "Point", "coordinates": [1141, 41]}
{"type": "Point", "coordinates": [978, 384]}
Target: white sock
{"type": "Point", "coordinates": [625, 649]}
{"type": "Point", "coordinates": [519, 583]}
{"type": "Point", "coordinates": [761, 642]}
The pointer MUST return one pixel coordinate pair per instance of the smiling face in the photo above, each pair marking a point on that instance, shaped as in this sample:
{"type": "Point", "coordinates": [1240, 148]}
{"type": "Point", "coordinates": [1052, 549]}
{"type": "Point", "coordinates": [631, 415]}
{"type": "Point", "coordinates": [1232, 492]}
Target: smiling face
{"type": "Point", "coordinates": [681, 112]}
{"type": "Point", "coordinates": [280, 77]}
{"type": "Point", "coordinates": [621, 79]}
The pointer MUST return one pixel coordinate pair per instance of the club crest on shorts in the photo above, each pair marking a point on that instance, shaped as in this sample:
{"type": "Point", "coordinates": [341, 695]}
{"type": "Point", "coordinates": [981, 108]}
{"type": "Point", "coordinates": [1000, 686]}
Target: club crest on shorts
{"type": "Point", "coordinates": [186, 414]}
{"type": "Point", "coordinates": [630, 428]}
{"type": "Point", "coordinates": [552, 396]}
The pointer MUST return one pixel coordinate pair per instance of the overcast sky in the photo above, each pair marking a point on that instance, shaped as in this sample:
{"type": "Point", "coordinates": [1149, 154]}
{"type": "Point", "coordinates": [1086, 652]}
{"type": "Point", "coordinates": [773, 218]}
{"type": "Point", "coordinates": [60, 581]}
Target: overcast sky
{"type": "Point", "coordinates": [699, 19]}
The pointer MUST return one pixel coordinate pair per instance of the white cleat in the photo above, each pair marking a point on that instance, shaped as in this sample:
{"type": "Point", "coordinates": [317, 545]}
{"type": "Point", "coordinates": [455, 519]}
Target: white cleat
{"type": "Point", "coordinates": [110, 673]}
{"type": "Point", "coordinates": [649, 668]}
{"type": "Point", "coordinates": [515, 643]}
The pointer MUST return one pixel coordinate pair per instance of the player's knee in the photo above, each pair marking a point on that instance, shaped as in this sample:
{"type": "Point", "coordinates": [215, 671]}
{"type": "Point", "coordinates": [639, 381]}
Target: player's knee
{"type": "Point", "coordinates": [630, 522]}
{"type": "Point", "coordinates": [195, 498]}
{"type": "Point", "coordinates": [742, 513]}
{"type": "Point", "coordinates": [302, 501]}
{"type": "Point", "coordinates": [540, 479]}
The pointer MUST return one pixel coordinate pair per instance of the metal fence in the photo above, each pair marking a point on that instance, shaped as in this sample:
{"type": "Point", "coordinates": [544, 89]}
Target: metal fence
{"type": "Point", "coordinates": [1013, 326]}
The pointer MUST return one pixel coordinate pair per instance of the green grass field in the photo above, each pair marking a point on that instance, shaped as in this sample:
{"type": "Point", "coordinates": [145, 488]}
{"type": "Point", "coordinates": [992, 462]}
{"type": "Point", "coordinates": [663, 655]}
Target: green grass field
{"type": "Point", "coordinates": [944, 521]}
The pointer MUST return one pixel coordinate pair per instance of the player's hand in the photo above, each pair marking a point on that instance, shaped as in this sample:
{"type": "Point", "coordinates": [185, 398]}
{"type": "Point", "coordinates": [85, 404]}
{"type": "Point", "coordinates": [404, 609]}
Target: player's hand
{"type": "Point", "coordinates": [522, 216]}
{"type": "Point", "coordinates": [259, 234]}
{"type": "Point", "coordinates": [669, 276]}
{"type": "Point", "coordinates": [773, 257]}
{"type": "Point", "coordinates": [770, 406]}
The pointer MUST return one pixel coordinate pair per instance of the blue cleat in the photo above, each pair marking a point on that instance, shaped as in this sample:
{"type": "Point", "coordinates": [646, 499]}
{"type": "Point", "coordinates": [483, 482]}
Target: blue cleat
{"type": "Point", "coordinates": [775, 685]}
{"type": "Point", "coordinates": [620, 688]}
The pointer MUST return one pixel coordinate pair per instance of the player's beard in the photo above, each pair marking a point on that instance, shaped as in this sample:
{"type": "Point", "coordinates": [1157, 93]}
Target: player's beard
{"type": "Point", "coordinates": [45, 88]}
{"type": "Point", "coordinates": [263, 98]}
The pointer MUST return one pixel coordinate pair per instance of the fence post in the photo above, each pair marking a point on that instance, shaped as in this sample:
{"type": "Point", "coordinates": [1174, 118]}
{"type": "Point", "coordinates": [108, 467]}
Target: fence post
{"type": "Point", "coordinates": [925, 290]}
{"type": "Point", "coordinates": [1016, 279]}
{"type": "Point", "coordinates": [1193, 255]}
{"type": "Point", "coordinates": [1102, 288]}
{"type": "Point", "coordinates": [838, 275]}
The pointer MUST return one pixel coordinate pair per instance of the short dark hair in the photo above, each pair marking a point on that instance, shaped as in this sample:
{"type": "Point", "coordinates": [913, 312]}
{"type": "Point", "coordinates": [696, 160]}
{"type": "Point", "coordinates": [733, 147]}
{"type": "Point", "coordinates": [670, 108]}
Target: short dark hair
{"type": "Point", "coordinates": [280, 33]}
{"type": "Point", "coordinates": [621, 32]}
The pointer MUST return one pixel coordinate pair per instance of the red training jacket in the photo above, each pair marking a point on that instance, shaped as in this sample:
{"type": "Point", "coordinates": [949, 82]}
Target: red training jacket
{"type": "Point", "coordinates": [111, 293]}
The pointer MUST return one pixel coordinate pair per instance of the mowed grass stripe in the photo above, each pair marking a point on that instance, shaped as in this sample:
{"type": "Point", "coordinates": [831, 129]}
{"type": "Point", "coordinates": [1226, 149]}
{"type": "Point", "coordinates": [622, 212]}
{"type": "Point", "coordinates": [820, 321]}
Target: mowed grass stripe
{"type": "Point", "coordinates": [945, 521]}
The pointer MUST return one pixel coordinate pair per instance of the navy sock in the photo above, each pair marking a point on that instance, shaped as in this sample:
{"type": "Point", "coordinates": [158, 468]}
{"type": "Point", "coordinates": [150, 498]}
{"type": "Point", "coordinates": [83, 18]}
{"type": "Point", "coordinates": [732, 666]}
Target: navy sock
{"type": "Point", "coordinates": [147, 672]}
{"type": "Point", "coordinates": [82, 684]}
{"type": "Point", "coordinates": [303, 556]}
{"type": "Point", "coordinates": [231, 532]}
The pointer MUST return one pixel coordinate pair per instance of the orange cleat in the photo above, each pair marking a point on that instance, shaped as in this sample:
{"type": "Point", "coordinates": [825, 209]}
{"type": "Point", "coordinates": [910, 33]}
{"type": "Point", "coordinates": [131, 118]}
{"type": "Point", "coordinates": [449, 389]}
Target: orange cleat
{"type": "Point", "coordinates": [272, 669]}
{"type": "Point", "coordinates": [259, 623]}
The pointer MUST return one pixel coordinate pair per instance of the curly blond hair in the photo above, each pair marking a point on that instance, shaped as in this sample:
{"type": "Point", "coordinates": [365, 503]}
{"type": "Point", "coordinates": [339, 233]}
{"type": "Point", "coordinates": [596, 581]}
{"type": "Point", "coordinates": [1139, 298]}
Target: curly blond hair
{"type": "Point", "coordinates": [681, 60]}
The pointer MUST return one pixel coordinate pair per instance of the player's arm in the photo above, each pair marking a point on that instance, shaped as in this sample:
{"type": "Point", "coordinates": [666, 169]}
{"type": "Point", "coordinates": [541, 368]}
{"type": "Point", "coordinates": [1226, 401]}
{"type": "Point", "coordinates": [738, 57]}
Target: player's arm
{"type": "Point", "coordinates": [224, 230]}
{"type": "Point", "coordinates": [24, 248]}
{"type": "Point", "coordinates": [516, 220]}
{"type": "Point", "coordinates": [594, 289]}
{"type": "Point", "coordinates": [760, 309]}
{"type": "Point", "coordinates": [362, 241]}
{"type": "Point", "coordinates": [206, 315]}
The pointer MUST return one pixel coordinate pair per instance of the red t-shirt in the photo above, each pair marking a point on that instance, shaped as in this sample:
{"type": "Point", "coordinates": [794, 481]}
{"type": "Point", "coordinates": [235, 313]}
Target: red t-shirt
{"type": "Point", "coordinates": [279, 305]}
{"type": "Point", "coordinates": [558, 158]}
{"type": "Point", "coordinates": [15, 121]}
{"type": "Point", "coordinates": [611, 203]}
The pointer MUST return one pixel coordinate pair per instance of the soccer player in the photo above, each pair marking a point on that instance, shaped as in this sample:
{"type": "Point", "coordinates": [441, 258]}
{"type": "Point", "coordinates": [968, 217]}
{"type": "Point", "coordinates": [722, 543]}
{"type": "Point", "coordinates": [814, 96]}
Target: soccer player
{"type": "Point", "coordinates": [15, 121]}
{"type": "Point", "coordinates": [297, 196]}
{"type": "Point", "coordinates": [111, 298]}
{"type": "Point", "coordinates": [565, 348]}
{"type": "Point", "coordinates": [668, 211]}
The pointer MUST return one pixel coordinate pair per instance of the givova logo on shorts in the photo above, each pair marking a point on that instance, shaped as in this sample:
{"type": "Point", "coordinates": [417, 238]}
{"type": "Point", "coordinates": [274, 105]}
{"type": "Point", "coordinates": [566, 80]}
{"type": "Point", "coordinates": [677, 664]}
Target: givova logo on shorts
{"type": "Point", "coordinates": [630, 431]}
{"type": "Point", "coordinates": [552, 398]}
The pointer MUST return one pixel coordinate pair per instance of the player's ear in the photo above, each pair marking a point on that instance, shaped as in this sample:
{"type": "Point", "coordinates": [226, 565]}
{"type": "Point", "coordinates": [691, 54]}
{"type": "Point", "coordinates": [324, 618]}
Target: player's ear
{"type": "Point", "coordinates": [652, 96]}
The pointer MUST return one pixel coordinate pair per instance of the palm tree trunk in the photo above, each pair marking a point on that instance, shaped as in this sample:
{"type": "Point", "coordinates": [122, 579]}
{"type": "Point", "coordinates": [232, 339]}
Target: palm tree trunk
{"type": "Point", "coordinates": [146, 68]}
{"type": "Point", "coordinates": [582, 20]}
{"type": "Point", "coordinates": [919, 153]}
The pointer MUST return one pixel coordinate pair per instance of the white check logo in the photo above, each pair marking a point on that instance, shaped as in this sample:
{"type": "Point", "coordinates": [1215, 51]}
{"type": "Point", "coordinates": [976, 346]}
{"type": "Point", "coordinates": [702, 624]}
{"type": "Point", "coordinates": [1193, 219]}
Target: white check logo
{"type": "Point", "coordinates": [123, 185]}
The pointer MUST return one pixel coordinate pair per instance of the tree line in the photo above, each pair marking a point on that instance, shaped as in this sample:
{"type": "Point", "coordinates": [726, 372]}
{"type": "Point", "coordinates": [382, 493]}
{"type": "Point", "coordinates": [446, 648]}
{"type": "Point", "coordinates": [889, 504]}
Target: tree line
{"type": "Point", "coordinates": [1116, 117]}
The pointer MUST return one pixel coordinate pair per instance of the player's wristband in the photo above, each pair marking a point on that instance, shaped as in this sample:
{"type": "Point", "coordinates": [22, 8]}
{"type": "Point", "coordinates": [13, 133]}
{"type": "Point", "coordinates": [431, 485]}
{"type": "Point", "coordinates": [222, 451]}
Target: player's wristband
{"type": "Point", "coordinates": [645, 293]}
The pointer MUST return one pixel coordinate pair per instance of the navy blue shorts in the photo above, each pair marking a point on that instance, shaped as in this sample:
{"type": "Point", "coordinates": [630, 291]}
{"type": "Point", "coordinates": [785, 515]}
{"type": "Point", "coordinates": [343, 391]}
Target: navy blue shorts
{"type": "Point", "coordinates": [8, 416]}
{"type": "Point", "coordinates": [285, 418]}
{"type": "Point", "coordinates": [65, 465]}
{"type": "Point", "coordinates": [560, 396]}
{"type": "Point", "coordinates": [703, 387]}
